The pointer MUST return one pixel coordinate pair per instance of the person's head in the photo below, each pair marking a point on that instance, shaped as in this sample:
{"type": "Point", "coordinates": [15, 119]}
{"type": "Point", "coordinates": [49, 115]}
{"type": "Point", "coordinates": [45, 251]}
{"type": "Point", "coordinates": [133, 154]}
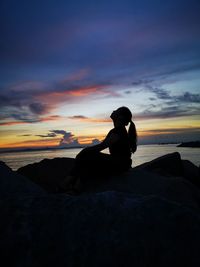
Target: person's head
{"type": "Point", "coordinates": [121, 116]}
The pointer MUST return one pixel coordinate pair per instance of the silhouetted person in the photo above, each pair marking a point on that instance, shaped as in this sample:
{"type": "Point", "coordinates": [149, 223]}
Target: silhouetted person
{"type": "Point", "coordinates": [91, 162]}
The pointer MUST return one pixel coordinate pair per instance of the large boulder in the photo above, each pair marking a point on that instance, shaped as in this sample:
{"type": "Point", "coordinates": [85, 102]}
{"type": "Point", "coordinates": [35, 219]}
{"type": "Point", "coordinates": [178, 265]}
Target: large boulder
{"type": "Point", "coordinates": [169, 164]}
{"type": "Point", "coordinates": [147, 183]}
{"type": "Point", "coordinates": [48, 173]}
{"type": "Point", "coordinates": [191, 172]}
{"type": "Point", "coordinates": [137, 227]}
{"type": "Point", "coordinates": [12, 184]}
{"type": "Point", "coordinates": [102, 229]}
{"type": "Point", "coordinates": [164, 177]}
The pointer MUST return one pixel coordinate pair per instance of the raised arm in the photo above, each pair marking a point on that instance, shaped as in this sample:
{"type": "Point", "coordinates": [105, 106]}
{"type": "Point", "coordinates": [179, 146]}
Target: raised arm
{"type": "Point", "coordinates": [110, 139]}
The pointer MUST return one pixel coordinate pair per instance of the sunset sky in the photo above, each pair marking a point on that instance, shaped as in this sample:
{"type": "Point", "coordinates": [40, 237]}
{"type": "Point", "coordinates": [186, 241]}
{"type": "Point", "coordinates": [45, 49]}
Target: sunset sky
{"type": "Point", "coordinates": [66, 65]}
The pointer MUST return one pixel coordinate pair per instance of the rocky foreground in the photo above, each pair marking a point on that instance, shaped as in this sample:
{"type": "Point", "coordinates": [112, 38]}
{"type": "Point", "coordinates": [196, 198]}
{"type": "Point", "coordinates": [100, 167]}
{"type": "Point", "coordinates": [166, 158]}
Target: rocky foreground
{"type": "Point", "coordinates": [149, 216]}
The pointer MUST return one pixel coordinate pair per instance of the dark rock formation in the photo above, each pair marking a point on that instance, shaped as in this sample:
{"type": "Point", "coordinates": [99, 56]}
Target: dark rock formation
{"type": "Point", "coordinates": [154, 222]}
{"type": "Point", "coordinates": [169, 164]}
{"type": "Point", "coordinates": [172, 165]}
{"type": "Point", "coordinates": [48, 173]}
{"type": "Point", "coordinates": [12, 184]}
{"type": "Point", "coordinates": [154, 177]}
{"type": "Point", "coordinates": [191, 172]}
{"type": "Point", "coordinates": [190, 144]}
{"type": "Point", "coordinates": [148, 183]}
{"type": "Point", "coordinates": [105, 229]}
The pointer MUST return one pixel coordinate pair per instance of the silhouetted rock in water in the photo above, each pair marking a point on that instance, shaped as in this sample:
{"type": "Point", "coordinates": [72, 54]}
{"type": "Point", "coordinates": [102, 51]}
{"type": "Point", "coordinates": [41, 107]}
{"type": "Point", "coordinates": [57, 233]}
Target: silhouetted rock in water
{"type": "Point", "coordinates": [48, 173]}
{"type": "Point", "coordinates": [190, 144]}
{"type": "Point", "coordinates": [154, 221]}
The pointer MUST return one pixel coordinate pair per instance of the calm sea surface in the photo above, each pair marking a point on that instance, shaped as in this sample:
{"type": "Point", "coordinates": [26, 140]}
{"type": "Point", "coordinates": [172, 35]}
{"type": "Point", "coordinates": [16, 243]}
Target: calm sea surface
{"type": "Point", "coordinates": [144, 153]}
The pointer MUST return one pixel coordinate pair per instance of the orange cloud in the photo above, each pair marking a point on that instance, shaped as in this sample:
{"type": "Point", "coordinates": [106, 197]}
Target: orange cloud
{"type": "Point", "coordinates": [52, 118]}
{"type": "Point", "coordinates": [92, 120]}
{"type": "Point", "coordinates": [10, 123]}
{"type": "Point", "coordinates": [33, 143]}
{"type": "Point", "coordinates": [55, 97]}
{"type": "Point", "coordinates": [84, 91]}
{"type": "Point", "coordinates": [43, 119]}
{"type": "Point", "coordinates": [49, 142]}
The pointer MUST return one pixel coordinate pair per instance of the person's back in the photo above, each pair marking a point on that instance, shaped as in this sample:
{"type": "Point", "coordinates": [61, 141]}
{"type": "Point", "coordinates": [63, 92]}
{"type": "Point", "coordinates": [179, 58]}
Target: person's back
{"type": "Point", "coordinates": [120, 148]}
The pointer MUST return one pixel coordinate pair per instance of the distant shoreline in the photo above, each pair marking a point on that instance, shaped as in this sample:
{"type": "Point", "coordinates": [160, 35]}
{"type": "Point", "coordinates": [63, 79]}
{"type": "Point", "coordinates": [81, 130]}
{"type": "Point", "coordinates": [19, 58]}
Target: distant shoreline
{"type": "Point", "coordinates": [37, 149]}
{"type": "Point", "coordinates": [194, 144]}
{"type": "Point", "coordinates": [10, 150]}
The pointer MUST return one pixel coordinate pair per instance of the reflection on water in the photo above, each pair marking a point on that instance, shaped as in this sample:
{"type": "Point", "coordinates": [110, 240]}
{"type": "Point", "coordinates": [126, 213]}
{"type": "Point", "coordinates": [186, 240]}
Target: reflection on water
{"type": "Point", "coordinates": [16, 160]}
{"type": "Point", "coordinates": [149, 152]}
{"type": "Point", "coordinates": [144, 153]}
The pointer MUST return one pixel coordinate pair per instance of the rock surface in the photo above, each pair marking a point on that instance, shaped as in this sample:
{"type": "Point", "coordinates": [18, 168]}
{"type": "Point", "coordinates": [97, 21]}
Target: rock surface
{"type": "Point", "coordinates": [48, 173]}
{"type": "Point", "coordinates": [170, 165]}
{"type": "Point", "coordinates": [12, 184]}
{"type": "Point", "coordinates": [102, 229]}
{"type": "Point", "coordinates": [138, 219]}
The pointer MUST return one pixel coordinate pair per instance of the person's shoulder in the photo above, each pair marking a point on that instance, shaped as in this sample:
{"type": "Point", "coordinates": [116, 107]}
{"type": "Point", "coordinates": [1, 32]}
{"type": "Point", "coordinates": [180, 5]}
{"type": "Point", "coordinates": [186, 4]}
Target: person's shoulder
{"type": "Point", "coordinates": [117, 130]}
{"type": "Point", "coordinates": [120, 132]}
{"type": "Point", "coordinates": [113, 130]}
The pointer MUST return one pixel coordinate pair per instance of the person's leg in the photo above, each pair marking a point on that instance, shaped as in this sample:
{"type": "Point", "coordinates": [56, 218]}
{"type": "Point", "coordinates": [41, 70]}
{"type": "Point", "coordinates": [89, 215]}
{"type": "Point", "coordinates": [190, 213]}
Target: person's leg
{"type": "Point", "coordinates": [89, 163]}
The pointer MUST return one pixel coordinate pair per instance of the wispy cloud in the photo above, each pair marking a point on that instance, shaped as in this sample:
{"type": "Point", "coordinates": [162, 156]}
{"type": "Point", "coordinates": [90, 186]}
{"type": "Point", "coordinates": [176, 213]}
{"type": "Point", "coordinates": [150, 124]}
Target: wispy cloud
{"type": "Point", "coordinates": [87, 119]}
{"type": "Point", "coordinates": [46, 135]}
{"type": "Point", "coordinates": [21, 120]}
{"type": "Point", "coordinates": [10, 123]}
{"type": "Point", "coordinates": [165, 103]}
{"type": "Point", "coordinates": [188, 98]}
{"type": "Point", "coordinates": [171, 130]}
{"type": "Point", "coordinates": [166, 112]}
{"type": "Point", "coordinates": [30, 105]}
{"type": "Point", "coordinates": [164, 94]}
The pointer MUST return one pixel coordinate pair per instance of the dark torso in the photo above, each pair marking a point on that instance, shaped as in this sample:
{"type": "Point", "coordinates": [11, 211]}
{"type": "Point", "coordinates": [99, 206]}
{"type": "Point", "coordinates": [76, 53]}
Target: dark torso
{"type": "Point", "coordinates": [121, 148]}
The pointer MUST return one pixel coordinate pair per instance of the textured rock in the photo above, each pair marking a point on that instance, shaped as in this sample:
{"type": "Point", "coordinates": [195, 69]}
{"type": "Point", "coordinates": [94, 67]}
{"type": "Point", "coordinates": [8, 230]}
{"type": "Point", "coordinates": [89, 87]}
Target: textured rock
{"type": "Point", "coordinates": [12, 184]}
{"type": "Point", "coordinates": [169, 164]}
{"type": "Point", "coordinates": [48, 173]}
{"type": "Point", "coordinates": [148, 183]}
{"type": "Point", "coordinates": [155, 222]}
{"type": "Point", "coordinates": [191, 172]}
{"type": "Point", "coordinates": [102, 229]}
{"type": "Point", "coordinates": [155, 177]}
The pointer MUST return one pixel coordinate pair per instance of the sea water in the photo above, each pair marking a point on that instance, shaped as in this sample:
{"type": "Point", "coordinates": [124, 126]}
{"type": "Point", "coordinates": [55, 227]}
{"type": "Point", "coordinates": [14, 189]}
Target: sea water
{"type": "Point", "coordinates": [143, 154]}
